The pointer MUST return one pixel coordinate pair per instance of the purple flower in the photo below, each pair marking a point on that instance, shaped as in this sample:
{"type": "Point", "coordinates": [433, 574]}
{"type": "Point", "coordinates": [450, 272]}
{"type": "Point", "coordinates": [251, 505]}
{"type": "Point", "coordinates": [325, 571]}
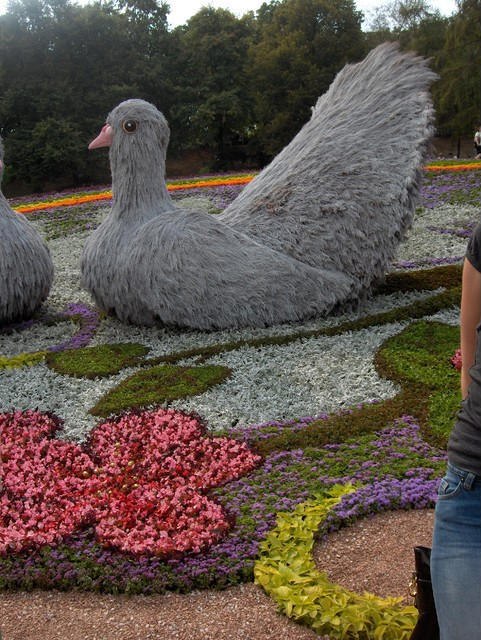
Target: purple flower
{"type": "Point", "coordinates": [88, 320]}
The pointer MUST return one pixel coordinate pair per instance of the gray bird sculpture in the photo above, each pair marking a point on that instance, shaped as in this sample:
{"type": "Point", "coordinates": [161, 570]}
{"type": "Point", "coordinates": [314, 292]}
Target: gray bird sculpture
{"type": "Point", "coordinates": [26, 268]}
{"type": "Point", "coordinates": [315, 230]}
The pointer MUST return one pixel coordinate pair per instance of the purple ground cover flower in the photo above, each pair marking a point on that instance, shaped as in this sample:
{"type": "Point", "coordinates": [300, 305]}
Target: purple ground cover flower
{"type": "Point", "coordinates": [447, 187]}
{"type": "Point", "coordinates": [426, 262]}
{"type": "Point", "coordinates": [463, 231]}
{"type": "Point", "coordinates": [388, 494]}
{"type": "Point", "coordinates": [272, 428]}
{"type": "Point", "coordinates": [88, 320]}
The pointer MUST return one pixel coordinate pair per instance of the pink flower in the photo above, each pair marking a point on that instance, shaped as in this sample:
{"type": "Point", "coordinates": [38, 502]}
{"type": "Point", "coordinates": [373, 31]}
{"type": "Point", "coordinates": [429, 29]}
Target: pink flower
{"type": "Point", "coordinates": [456, 360]}
{"type": "Point", "coordinates": [141, 481]}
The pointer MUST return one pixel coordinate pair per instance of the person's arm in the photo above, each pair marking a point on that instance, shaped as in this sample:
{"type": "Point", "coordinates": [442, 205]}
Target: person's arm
{"type": "Point", "coordinates": [470, 318]}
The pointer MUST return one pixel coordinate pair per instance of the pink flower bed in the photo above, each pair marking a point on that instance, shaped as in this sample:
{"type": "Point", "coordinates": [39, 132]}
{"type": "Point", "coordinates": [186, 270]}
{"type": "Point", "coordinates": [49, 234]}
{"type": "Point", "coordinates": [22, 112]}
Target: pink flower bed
{"type": "Point", "coordinates": [140, 481]}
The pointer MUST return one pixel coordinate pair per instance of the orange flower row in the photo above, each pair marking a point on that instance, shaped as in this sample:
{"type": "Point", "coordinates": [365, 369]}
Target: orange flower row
{"type": "Point", "coordinates": [107, 195]}
{"type": "Point", "coordinates": [454, 167]}
{"type": "Point", "coordinates": [63, 202]}
{"type": "Point", "coordinates": [195, 184]}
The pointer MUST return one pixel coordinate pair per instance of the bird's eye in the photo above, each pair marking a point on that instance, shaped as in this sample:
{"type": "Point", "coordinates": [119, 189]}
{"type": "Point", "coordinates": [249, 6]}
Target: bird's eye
{"type": "Point", "coordinates": [129, 126]}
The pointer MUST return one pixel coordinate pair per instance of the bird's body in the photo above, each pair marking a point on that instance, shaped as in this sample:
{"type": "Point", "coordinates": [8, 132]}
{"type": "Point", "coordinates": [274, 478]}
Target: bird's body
{"type": "Point", "coordinates": [315, 230]}
{"type": "Point", "coordinates": [26, 268]}
{"type": "Point", "coordinates": [206, 275]}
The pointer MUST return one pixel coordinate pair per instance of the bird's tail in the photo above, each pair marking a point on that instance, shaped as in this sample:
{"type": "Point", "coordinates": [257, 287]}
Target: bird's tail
{"type": "Point", "coordinates": [346, 185]}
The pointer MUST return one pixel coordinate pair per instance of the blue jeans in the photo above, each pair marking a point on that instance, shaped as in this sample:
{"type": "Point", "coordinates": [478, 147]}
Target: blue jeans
{"type": "Point", "coordinates": [456, 555]}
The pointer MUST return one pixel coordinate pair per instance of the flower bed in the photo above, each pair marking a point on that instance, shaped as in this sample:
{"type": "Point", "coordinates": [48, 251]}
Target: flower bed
{"type": "Point", "coordinates": [287, 572]}
{"type": "Point", "coordinates": [141, 482]}
{"type": "Point", "coordinates": [134, 505]}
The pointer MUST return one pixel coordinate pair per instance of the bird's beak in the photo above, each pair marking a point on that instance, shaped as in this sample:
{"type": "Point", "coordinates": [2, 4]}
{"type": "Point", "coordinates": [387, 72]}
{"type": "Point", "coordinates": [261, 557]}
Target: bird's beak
{"type": "Point", "coordinates": [104, 139]}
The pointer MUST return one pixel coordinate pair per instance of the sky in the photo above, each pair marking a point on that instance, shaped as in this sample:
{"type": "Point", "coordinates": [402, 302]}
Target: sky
{"type": "Point", "coordinates": [182, 10]}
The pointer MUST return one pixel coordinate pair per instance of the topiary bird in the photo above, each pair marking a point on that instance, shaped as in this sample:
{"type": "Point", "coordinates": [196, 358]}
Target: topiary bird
{"type": "Point", "coordinates": [26, 268]}
{"type": "Point", "coordinates": [315, 230]}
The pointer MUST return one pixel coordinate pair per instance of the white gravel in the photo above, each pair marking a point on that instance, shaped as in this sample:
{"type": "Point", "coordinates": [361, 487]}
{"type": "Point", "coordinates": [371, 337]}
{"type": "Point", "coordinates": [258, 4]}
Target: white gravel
{"type": "Point", "coordinates": [303, 378]}
{"type": "Point", "coordinates": [424, 243]}
{"type": "Point", "coordinates": [66, 254]}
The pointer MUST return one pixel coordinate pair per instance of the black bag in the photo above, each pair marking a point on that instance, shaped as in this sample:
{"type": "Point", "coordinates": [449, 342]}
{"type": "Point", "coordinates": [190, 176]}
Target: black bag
{"type": "Point", "coordinates": [427, 627]}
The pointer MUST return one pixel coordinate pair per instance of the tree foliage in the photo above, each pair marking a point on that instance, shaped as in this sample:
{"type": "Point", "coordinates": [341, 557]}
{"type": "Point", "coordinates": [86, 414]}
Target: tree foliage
{"type": "Point", "coordinates": [459, 90]}
{"type": "Point", "coordinates": [300, 46]}
{"type": "Point", "coordinates": [214, 107]}
{"type": "Point", "coordinates": [238, 87]}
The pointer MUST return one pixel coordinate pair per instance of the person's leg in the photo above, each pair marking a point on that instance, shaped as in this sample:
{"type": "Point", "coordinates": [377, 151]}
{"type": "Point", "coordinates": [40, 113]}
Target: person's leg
{"type": "Point", "coordinates": [456, 556]}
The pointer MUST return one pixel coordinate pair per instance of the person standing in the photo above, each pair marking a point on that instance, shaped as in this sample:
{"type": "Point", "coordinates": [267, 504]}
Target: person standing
{"type": "Point", "coordinates": [456, 550]}
{"type": "Point", "coordinates": [477, 141]}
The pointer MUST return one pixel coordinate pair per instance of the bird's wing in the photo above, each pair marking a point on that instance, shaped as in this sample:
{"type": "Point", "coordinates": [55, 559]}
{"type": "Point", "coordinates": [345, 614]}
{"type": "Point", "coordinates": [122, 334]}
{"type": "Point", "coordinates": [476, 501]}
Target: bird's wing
{"type": "Point", "coordinates": [351, 175]}
{"type": "Point", "coordinates": [188, 269]}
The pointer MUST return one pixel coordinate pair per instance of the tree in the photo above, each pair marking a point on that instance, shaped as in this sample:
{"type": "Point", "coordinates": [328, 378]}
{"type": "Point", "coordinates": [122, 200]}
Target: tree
{"type": "Point", "coordinates": [50, 150]}
{"type": "Point", "coordinates": [413, 23]}
{"type": "Point", "coordinates": [459, 91]}
{"type": "Point", "coordinates": [300, 46]}
{"type": "Point", "coordinates": [212, 108]}
{"type": "Point", "coordinates": [400, 15]}
{"type": "Point", "coordinates": [63, 63]}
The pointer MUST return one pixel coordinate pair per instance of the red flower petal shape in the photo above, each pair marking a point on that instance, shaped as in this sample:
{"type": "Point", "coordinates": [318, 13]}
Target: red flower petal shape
{"type": "Point", "coordinates": [139, 481]}
{"type": "Point", "coordinates": [42, 483]}
{"type": "Point", "coordinates": [168, 446]}
{"type": "Point", "coordinates": [160, 520]}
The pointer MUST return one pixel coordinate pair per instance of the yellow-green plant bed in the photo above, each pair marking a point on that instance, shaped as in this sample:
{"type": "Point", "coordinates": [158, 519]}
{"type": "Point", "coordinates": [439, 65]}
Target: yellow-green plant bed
{"type": "Point", "coordinates": [287, 572]}
{"type": "Point", "coordinates": [21, 360]}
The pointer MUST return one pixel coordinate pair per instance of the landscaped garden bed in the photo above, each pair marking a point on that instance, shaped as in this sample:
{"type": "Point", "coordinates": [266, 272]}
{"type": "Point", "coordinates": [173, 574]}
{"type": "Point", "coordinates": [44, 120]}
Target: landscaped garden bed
{"type": "Point", "coordinates": [216, 433]}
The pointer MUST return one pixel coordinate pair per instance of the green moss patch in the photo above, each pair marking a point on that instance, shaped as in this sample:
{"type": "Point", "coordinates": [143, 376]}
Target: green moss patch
{"type": "Point", "coordinates": [159, 385]}
{"type": "Point", "coordinates": [448, 276]}
{"type": "Point", "coordinates": [421, 354]}
{"type": "Point", "coordinates": [420, 357]}
{"type": "Point", "coordinates": [96, 362]}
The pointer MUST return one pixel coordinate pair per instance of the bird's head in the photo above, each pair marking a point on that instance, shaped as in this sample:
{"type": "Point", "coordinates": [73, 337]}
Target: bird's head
{"type": "Point", "coordinates": [134, 130]}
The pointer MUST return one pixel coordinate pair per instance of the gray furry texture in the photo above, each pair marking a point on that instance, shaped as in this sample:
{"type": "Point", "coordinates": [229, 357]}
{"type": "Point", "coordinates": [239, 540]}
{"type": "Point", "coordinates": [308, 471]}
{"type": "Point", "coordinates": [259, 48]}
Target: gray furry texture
{"type": "Point", "coordinates": [26, 268]}
{"type": "Point", "coordinates": [313, 231]}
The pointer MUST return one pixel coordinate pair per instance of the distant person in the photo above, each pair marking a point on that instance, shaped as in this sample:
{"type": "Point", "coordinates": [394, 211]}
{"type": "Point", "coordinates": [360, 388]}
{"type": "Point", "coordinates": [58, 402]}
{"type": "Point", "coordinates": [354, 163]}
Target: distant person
{"type": "Point", "coordinates": [477, 141]}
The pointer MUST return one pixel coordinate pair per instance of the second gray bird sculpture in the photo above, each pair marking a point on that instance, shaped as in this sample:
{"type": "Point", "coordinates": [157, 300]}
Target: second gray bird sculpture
{"type": "Point", "coordinates": [26, 268]}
